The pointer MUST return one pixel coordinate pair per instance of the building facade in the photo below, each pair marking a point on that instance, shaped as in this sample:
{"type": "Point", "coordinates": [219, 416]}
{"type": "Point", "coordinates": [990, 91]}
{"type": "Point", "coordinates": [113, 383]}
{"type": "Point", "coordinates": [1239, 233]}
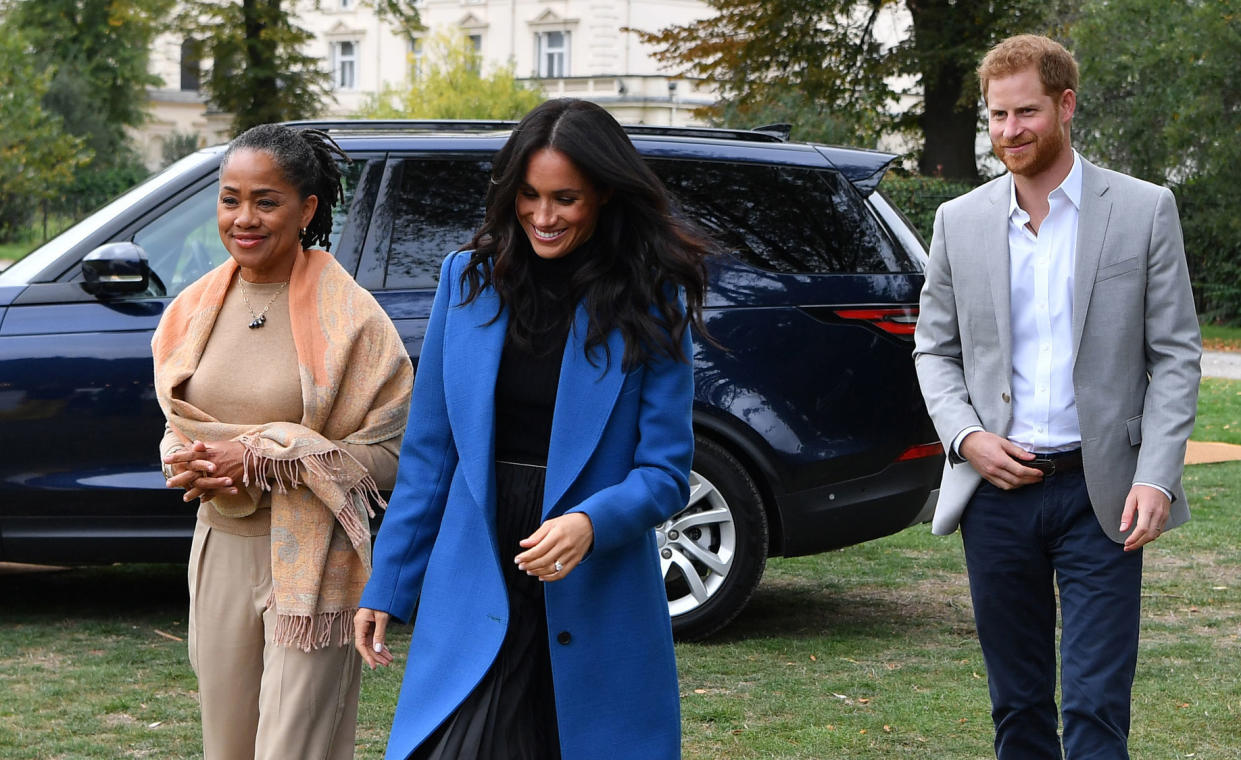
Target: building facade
{"type": "Point", "coordinates": [569, 48]}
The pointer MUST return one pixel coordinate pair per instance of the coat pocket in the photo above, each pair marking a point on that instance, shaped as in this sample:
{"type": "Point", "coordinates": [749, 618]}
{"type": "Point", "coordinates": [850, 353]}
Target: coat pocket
{"type": "Point", "coordinates": [1117, 269]}
{"type": "Point", "coordinates": [1134, 424]}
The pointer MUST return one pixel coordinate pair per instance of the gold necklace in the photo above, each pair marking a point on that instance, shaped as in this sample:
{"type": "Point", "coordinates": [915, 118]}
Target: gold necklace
{"type": "Point", "coordinates": [260, 319]}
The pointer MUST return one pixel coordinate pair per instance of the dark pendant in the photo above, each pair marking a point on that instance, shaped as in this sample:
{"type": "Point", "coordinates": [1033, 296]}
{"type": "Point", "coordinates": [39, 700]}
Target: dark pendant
{"type": "Point", "coordinates": [258, 321]}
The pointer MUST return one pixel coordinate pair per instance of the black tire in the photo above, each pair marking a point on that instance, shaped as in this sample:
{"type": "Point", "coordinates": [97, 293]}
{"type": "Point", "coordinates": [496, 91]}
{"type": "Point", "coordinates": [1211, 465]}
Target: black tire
{"type": "Point", "coordinates": [720, 537]}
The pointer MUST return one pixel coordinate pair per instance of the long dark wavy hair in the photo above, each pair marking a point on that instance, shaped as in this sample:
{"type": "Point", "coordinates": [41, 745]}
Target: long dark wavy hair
{"type": "Point", "coordinates": [308, 158]}
{"type": "Point", "coordinates": [641, 254]}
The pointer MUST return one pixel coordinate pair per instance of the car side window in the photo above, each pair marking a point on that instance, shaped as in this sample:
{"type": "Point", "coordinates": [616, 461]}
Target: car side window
{"type": "Point", "coordinates": [783, 219]}
{"type": "Point", "coordinates": [183, 243]}
{"type": "Point", "coordinates": [439, 205]}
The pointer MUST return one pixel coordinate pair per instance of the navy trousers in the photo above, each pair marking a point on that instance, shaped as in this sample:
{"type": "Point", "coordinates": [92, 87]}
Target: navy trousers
{"type": "Point", "coordinates": [1020, 546]}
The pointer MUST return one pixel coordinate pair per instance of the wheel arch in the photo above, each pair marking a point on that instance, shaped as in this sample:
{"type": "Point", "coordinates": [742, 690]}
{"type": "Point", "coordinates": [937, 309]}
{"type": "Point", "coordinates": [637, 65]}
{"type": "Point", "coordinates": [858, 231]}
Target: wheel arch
{"type": "Point", "coordinates": [758, 466]}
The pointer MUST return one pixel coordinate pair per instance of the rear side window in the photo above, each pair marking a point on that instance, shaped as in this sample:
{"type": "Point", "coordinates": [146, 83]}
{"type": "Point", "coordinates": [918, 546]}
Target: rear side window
{"type": "Point", "coordinates": [439, 205]}
{"type": "Point", "coordinates": [783, 219]}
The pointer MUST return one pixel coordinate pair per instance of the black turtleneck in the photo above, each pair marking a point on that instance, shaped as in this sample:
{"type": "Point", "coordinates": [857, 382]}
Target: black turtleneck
{"type": "Point", "coordinates": [529, 375]}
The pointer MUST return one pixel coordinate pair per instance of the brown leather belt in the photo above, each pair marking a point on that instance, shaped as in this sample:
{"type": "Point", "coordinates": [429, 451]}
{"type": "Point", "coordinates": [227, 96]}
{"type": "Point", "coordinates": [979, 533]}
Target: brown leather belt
{"type": "Point", "coordinates": [1060, 462]}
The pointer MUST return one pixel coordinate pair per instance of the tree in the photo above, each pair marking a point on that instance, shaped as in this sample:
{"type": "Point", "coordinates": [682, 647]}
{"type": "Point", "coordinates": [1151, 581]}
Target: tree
{"type": "Point", "coordinates": [261, 71]}
{"type": "Point", "coordinates": [450, 85]}
{"type": "Point", "coordinates": [1161, 101]}
{"type": "Point", "coordinates": [97, 53]}
{"type": "Point", "coordinates": [37, 157]}
{"type": "Point", "coordinates": [829, 57]}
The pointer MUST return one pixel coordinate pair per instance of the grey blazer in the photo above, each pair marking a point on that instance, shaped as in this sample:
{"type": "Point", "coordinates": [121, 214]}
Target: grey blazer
{"type": "Point", "coordinates": [1136, 342]}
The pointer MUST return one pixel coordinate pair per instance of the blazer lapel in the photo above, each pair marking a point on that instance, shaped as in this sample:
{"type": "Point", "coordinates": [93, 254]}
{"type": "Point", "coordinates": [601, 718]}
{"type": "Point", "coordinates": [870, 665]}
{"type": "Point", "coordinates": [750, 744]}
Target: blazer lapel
{"type": "Point", "coordinates": [472, 351]}
{"type": "Point", "coordinates": [584, 399]}
{"type": "Point", "coordinates": [1092, 221]}
{"type": "Point", "coordinates": [993, 247]}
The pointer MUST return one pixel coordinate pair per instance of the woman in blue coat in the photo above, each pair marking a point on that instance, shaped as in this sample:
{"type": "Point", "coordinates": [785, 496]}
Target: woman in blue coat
{"type": "Point", "coordinates": [549, 434]}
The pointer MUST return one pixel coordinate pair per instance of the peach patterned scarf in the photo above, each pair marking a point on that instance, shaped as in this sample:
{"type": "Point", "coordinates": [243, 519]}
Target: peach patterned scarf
{"type": "Point", "coordinates": [356, 379]}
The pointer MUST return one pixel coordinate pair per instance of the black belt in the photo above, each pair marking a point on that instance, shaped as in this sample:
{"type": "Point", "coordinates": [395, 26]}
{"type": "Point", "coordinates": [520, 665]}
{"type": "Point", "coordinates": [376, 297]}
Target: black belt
{"type": "Point", "coordinates": [1059, 462]}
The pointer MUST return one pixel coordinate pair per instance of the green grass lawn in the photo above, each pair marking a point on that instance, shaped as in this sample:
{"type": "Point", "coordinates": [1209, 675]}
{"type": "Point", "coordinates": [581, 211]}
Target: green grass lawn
{"type": "Point", "coordinates": [866, 653]}
{"type": "Point", "coordinates": [1219, 411]}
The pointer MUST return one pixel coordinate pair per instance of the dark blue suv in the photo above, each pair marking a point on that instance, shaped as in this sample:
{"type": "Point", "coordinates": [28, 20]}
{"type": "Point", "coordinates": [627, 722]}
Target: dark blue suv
{"type": "Point", "coordinates": [811, 433]}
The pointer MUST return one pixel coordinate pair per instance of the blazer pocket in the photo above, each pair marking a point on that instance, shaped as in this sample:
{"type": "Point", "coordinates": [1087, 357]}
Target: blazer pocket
{"type": "Point", "coordinates": [1117, 269]}
{"type": "Point", "coordinates": [1134, 424]}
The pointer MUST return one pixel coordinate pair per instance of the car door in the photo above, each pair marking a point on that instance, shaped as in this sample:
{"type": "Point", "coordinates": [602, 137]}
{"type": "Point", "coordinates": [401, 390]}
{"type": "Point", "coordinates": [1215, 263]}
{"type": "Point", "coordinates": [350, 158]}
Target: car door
{"type": "Point", "coordinates": [428, 206]}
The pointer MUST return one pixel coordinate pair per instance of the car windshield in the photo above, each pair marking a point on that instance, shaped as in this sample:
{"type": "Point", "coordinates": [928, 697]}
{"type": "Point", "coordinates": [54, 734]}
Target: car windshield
{"type": "Point", "coordinates": [25, 269]}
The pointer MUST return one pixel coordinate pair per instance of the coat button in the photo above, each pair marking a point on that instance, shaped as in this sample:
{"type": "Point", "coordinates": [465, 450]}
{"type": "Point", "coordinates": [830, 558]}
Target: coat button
{"type": "Point", "coordinates": [563, 637]}
{"type": "Point", "coordinates": [1004, 396]}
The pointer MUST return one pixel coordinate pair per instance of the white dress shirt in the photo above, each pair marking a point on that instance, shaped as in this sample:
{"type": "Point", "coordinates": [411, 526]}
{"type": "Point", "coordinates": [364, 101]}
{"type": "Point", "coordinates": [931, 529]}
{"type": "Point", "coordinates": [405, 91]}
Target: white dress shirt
{"type": "Point", "coordinates": [1041, 311]}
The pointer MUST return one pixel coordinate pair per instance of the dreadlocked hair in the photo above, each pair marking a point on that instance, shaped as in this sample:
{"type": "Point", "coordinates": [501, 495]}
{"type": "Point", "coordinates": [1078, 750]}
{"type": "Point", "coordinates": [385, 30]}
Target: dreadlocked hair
{"type": "Point", "coordinates": [646, 273]}
{"type": "Point", "coordinates": [310, 160]}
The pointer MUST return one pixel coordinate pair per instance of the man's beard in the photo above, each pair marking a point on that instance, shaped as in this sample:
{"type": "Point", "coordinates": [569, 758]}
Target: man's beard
{"type": "Point", "coordinates": [1032, 162]}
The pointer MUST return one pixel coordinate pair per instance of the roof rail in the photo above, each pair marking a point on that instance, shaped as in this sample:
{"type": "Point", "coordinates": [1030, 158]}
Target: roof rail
{"type": "Point", "coordinates": [391, 125]}
{"type": "Point", "coordinates": [452, 125]}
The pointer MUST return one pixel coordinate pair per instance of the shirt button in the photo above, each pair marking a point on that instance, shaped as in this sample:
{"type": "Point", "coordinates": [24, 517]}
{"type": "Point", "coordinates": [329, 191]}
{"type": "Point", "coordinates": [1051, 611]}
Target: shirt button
{"type": "Point", "coordinates": [564, 637]}
{"type": "Point", "coordinates": [1004, 397]}
{"type": "Point", "coordinates": [1045, 347]}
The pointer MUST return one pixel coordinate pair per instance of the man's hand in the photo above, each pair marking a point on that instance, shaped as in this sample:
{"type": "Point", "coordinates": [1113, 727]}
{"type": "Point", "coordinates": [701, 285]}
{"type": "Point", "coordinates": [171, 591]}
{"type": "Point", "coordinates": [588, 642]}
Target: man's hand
{"type": "Point", "coordinates": [1151, 508]}
{"type": "Point", "coordinates": [996, 459]}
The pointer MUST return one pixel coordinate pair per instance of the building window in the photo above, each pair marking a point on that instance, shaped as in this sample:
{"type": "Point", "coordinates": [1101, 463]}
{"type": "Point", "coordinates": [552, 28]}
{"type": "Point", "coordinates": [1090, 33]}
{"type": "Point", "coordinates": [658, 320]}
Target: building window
{"type": "Point", "coordinates": [345, 65]}
{"type": "Point", "coordinates": [476, 42]}
{"type": "Point", "coordinates": [191, 65]}
{"type": "Point", "coordinates": [417, 58]}
{"type": "Point", "coordinates": [553, 54]}
{"type": "Point", "coordinates": [346, 5]}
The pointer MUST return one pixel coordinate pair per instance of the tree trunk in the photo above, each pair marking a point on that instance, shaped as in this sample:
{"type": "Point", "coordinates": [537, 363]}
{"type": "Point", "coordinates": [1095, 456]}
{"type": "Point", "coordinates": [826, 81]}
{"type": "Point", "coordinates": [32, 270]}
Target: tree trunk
{"type": "Point", "coordinates": [948, 129]}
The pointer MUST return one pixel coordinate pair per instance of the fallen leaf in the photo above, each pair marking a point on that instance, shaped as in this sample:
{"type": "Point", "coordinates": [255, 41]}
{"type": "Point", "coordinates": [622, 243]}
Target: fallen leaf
{"type": "Point", "coordinates": [862, 731]}
{"type": "Point", "coordinates": [962, 720]}
{"type": "Point", "coordinates": [156, 724]}
{"type": "Point", "coordinates": [813, 658]}
{"type": "Point", "coordinates": [830, 727]}
{"type": "Point", "coordinates": [700, 691]}
{"type": "Point", "coordinates": [863, 700]}
{"type": "Point", "coordinates": [887, 728]}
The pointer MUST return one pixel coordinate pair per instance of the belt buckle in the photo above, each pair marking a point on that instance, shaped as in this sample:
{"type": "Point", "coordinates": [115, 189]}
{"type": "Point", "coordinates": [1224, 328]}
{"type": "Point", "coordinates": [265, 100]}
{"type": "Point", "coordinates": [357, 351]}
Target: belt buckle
{"type": "Point", "coordinates": [1043, 465]}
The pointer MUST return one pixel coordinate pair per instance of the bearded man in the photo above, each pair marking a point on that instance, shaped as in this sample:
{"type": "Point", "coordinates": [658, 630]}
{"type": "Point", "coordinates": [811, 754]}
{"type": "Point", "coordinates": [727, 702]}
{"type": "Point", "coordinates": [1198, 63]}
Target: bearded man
{"type": "Point", "coordinates": [1058, 352]}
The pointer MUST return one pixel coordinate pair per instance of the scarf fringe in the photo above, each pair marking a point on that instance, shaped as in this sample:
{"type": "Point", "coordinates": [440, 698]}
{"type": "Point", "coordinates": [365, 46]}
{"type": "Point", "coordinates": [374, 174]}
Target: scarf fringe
{"type": "Point", "coordinates": [318, 631]}
{"type": "Point", "coordinates": [282, 474]}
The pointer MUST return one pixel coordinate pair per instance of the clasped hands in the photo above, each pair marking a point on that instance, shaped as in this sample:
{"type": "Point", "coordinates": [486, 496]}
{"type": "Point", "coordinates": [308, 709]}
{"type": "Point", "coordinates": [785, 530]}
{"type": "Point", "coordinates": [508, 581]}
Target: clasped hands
{"type": "Point", "coordinates": [207, 468]}
{"type": "Point", "coordinates": [551, 553]}
{"type": "Point", "coordinates": [999, 461]}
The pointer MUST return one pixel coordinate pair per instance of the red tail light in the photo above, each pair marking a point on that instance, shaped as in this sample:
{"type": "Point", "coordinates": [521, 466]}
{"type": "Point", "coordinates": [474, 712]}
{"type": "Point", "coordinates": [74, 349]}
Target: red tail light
{"type": "Point", "coordinates": [900, 320]}
{"type": "Point", "coordinates": [921, 451]}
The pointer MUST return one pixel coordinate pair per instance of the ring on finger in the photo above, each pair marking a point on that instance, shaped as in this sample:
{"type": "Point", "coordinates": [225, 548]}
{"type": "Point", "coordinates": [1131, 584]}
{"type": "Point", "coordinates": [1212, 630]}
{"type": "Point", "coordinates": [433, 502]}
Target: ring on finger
{"type": "Point", "coordinates": [558, 566]}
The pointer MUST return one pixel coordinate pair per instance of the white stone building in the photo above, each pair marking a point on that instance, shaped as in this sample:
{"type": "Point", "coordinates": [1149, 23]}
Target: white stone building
{"type": "Point", "coordinates": [572, 48]}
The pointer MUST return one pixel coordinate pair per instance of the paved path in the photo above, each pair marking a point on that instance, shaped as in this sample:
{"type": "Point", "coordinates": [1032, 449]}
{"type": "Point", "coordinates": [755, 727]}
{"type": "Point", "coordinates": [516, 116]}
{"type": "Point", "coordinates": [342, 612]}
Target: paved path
{"type": "Point", "coordinates": [1225, 364]}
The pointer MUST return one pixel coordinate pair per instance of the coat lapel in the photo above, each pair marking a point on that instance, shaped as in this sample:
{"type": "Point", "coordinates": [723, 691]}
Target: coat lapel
{"type": "Point", "coordinates": [993, 247]}
{"type": "Point", "coordinates": [472, 350]}
{"type": "Point", "coordinates": [584, 399]}
{"type": "Point", "coordinates": [1092, 224]}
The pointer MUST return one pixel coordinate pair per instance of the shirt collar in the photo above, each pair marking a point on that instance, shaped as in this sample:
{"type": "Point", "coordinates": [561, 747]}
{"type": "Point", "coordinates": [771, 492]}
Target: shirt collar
{"type": "Point", "coordinates": [1071, 188]}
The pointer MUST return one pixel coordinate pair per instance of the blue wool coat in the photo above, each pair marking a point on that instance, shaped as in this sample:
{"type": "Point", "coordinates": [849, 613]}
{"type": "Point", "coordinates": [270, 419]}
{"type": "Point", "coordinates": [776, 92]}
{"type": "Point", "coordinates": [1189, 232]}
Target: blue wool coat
{"type": "Point", "coordinates": [620, 452]}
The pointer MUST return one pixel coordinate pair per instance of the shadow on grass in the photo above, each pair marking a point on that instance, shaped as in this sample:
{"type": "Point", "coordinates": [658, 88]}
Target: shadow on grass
{"type": "Point", "coordinates": [107, 592]}
{"type": "Point", "coordinates": [799, 610]}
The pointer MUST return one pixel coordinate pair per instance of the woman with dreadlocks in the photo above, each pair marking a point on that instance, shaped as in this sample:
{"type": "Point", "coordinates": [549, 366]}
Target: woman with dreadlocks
{"type": "Point", "coordinates": [286, 390]}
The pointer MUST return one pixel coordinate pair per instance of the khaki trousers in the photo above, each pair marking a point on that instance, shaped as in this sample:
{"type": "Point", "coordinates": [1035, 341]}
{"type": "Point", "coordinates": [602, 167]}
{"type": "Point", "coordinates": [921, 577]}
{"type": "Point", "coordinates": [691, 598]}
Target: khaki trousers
{"type": "Point", "coordinates": [260, 701]}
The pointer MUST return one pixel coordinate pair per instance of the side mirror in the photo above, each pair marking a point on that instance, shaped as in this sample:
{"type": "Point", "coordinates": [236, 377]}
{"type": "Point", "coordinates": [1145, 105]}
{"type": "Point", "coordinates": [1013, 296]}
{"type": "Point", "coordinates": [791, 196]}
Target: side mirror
{"type": "Point", "coordinates": [115, 269]}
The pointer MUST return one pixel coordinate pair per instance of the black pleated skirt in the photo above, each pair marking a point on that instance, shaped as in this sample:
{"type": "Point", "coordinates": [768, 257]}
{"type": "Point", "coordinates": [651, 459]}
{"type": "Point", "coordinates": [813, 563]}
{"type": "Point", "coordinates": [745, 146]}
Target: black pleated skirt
{"type": "Point", "coordinates": [511, 714]}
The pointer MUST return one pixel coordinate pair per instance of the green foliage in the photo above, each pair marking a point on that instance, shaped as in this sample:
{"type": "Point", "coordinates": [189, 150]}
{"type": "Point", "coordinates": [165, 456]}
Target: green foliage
{"type": "Point", "coordinates": [96, 54]}
{"type": "Point", "coordinates": [37, 157]}
{"type": "Point", "coordinates": [918, 197]}
{"type": "Point", "coordinates": [835, 56]}
{"type": "Point", "coordinates": [178, 145]}
{"type": "Point", "coordinates": [1160, 101]}
{"type": "Point", "coordinates": [451, 85]}
{"type": "Point", "coordinates": [259, 72]}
